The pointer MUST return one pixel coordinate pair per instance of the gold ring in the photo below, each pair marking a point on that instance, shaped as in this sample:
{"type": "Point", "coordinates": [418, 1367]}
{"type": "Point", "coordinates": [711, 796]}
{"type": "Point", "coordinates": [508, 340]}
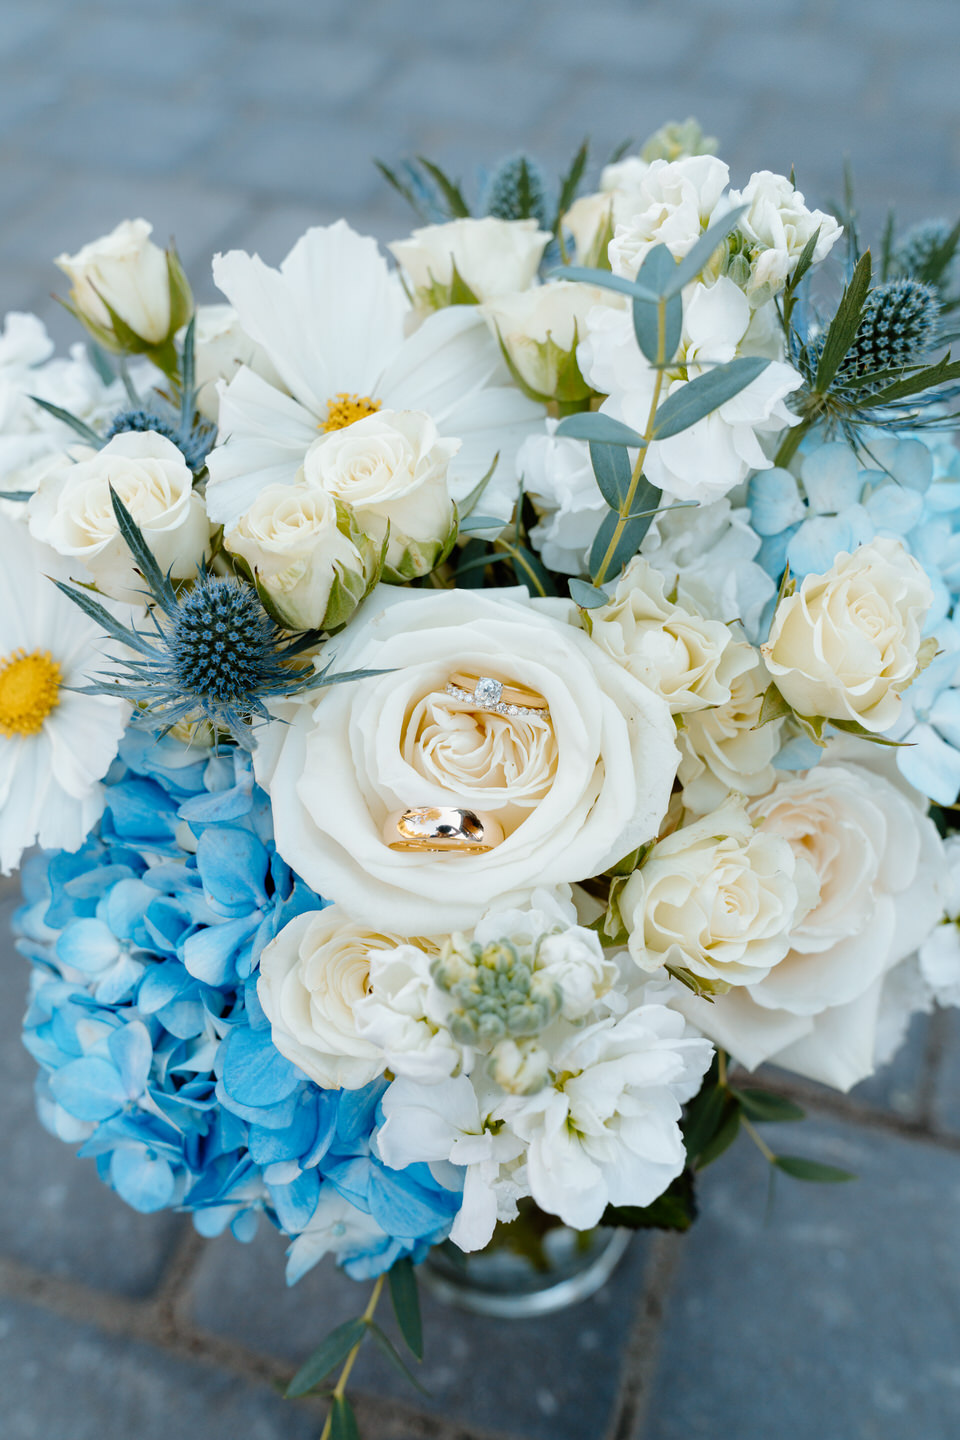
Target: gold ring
{"type": "Point", "coordinates": [441, 830]}
{"type": "Point", "coordinates": [486, 693]}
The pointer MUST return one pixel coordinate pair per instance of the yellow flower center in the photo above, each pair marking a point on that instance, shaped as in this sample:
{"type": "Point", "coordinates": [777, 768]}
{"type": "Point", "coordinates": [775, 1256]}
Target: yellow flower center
{"type": "Point", "coordinates": [29, 690]}
{"type": "Point", "coordinates": [344, 408]}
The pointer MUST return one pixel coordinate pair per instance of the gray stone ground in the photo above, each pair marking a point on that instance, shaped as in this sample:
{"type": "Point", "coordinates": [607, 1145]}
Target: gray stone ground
{"type": "Point", "coordinates": [834, 1313]}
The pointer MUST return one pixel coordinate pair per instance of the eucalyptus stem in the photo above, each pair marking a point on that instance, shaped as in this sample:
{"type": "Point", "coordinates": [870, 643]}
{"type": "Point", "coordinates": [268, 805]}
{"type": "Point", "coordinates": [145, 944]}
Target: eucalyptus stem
{"type": "Point", "coordinates": [341, 1386]}
{"type": "Point", "coordinates": [758, 1140]}
{"type": "Point", "coordinates": [626, 509]}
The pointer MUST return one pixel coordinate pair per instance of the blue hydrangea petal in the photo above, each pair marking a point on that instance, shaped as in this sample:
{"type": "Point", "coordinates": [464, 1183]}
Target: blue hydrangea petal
{"type": "Point", "coordinates": [146, 1182]}
{"type": "Point", "coordinates": [296, 1202]}
{"type": "Point", "coordinates": [88, 945]}
{"type": "Point", "coordinates": [131, 1050]}
{"type": "Point", "coordinates": [831, 478]}
{"type": "Point", "coordinates": [89, 1088]}
{"type": "Point", "coordinates": [931, 765]}
{"type": "Point", "coordinates": [775, 502]}
{"type": "Point", "coordinates": [211, 954]}
{"type": "Point", "coordinates": [895, 509]}
{"type": "Point", "coordinates": [233, 865]}
{"type": "Point", "coordinates": [254, 1072]}
{"type": "Point", "coordinates": [404, 1208]}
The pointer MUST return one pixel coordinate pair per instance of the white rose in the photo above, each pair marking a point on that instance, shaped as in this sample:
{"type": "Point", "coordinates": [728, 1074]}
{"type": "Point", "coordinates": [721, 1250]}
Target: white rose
{"type": "Point", "coordinates": [126, 271]}
{"type": "Point", "coordinates": [689, 661]}
{"type": "Point", "coordinates": [574, 790]}
{"type": "Point", "coordinates": [879, 864]}
{"type": "Point", "coordinates": [540, 329]}
{"type": "Point", "coordinates": [312, 978]}
{"type": "Point", "coordinates": [717, 898]}
{"type": "Point", "coordinates": [777, 227]}
{"type": "Point", "coordinates": [391, 469]}
{"type": "Point", "coordinates": [221, 347]}
{"type": "Point", "coordinates": [311, 565]}
{"type": "Point", "coordinates": [559, 479]}
{"type": "Point", "coordinates": [674, 202]}
{"type": "Point", "coordinates": [847, 642]}
{"type": "Point", "coordinates": [726, 749]}
{"type": "Point", "coordinates": [72, 511]}
{"type": "Point", "coordinates": [490, 256]}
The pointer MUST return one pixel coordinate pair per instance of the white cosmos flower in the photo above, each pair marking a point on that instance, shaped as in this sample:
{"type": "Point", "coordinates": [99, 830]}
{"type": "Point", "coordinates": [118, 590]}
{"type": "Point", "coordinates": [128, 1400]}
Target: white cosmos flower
{"type": "Point", "coordinates": [332, 321]}
{"type": "Point", "coordinates": [55, 744]}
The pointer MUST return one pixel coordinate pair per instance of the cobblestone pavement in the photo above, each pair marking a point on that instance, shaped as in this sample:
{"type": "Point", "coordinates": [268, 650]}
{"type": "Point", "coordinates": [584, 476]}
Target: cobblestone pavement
{"type": "Point", "coordinates": [834, 1314]}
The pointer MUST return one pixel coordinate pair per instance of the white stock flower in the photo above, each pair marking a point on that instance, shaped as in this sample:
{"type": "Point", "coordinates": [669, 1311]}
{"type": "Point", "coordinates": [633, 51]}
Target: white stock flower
{"type": "Point", "coordinates": [710, 457]}
{"type": "Point", "coordinates": [879, 864]}
{"type": "Point", "coordinates": [540, 329]}
{"type": "Point", "coordinates": [592, 219]}
{"type": "Point", "coordinates": [336, 1228]}
{"type": "Point", "coordinates": [718, 898]}
{"type": "Point", "coordinates": [391, 469]}
{"type": "Point", "coordinates": [72, 511]}
{"type": "Point", "coordinates": [607, 1130]}
{"type": "Point", "coordinates": [940, 951]}
{"type": "Point", "coordinates": [847, 642]}
{"type": "Point", "coordinates": [308, 566]}
{"type": "Point", "coordinates": [333, 321]}
{"type": "Point", "coordinates": [311, 977]}
{"type": "Point", "coordinates": [726, 750]}
{"type": "Point", "coordinates": [128, 272]}
{"type": "Point", "coordinates": [674, 202]}
{"type": "Point", "coordinates": [559, 479]}
{"type": "Point", "coordinates": [689, 661]}
{"type": "Point", "coordinates": [492, 257]}
{"type": "Point", "coordinates": [777, 228]}
{"type": "Point", "coordinates": [573, 790]}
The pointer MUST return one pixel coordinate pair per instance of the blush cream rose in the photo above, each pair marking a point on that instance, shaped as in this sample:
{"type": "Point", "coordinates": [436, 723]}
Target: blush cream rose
{"type": "Point", "coordinates": [573, 791]}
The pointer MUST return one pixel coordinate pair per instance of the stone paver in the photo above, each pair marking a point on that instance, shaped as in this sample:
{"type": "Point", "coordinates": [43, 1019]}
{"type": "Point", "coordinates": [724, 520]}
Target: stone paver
{"type": "Point", "coordinates": [238, 123]}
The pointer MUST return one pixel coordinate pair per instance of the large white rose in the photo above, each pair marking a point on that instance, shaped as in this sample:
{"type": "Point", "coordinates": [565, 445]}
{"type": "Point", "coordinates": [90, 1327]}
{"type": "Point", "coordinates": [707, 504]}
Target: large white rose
{"type": "Point", "coordinates": [718, 898]}
{"type": "Point", "coordinates": [310, 568]}
{"type": "Point", "coordinates": [391, 469]}
{"type": "Point", "coordinates": [128, 272]}
{"type": "Point", "coordinates": [880, 866]}
{"type": "Point", "coordinates": [492, 257]}
{"type": "Point", "coordinates": [777, 227]}
{"type": "Point", "coordinates": [312, 977]}
{"type": "Point", "coordinates": [72, 511]}
{"type": "Point", "coordinates": [691, 662]}
{"type": "Point", "coordinates": [559, 479]}
{"type": "Point", "coordinates": [674, 202]}
{"type": "Point", "coordinates": [574, 792]}
{"type": "Point", "coordinates": [847, 642]}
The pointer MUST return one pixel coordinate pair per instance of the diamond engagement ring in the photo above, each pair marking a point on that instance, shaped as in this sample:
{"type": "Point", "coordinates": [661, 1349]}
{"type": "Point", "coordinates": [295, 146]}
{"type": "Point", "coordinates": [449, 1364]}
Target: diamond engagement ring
{"type": "Point", "coordinates": [442, 830]}
{"type": "Point", "coordinates": [485, 693]}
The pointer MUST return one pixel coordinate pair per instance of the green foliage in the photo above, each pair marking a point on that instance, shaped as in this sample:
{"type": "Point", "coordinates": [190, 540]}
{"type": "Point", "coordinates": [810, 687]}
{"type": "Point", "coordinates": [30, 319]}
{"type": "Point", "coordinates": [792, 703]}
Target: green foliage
{"type": "Point", "coordinates": [405, 1298]}
{"type": "Point", "coordinates": [803, 1169]}
{"type": "Point", "coordinates": [675, 1209]}
{"type": "Point", "coordinates": [332, 1352]}
{"type": "Point", "coordinates": [343, 1422]}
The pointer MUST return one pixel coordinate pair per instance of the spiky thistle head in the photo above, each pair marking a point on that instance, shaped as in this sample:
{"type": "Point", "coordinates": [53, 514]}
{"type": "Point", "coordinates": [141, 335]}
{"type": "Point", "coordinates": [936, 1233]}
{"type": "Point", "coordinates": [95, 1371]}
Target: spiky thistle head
{"type": "Point", "coordinates": [194, 442]}
{"type": "Point", "coordinates": [918, 248]}
{"type": "Point", "coordinates": [897, 328]}
{"type": "Point", "coordinates": [517, 190]}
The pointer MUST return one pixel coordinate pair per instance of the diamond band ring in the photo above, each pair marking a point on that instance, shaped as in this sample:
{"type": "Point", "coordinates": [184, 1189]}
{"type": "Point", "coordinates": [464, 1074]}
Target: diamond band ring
{"type": "Point", "coordinates": [442, 829]}
{"type": "Point", "coordinates": [486, 693]}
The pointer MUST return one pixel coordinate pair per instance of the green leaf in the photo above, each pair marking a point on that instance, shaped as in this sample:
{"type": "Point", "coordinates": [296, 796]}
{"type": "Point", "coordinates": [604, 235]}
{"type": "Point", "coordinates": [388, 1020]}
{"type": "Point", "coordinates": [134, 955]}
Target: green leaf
{"type": "Point", "coordinates": [402, 189]}
{"type": "Point", "coordinates": [675, 1209]}
{"type": "Point", "coordinates": [655, 273]}
{"type": "Point", "coordinates": [19, 495]}
{"type": "Point", "coordinates": [843, 328]}
{"type": "Point", "coordinates": [722, 1140]}
{"type": "Point", "coordinates": [188, 368]}
{"type": "Point", "coordinates": [618, 152]}
{"type": "Point", "coordinates": [405, 1298]}
{"type": "Point", "coordinates": [706, 393]}
{"type": "Point", "coordinates": [812, 1170]}
{"type": "Point", "coordinates": [393, 1355]}
{"type": "Point", "coordinates": [631, 534]}
{"type": "Point", "coordinates": [589, 275]}
{"type": "Point", "coordinates": [613, 471]}
{"type": "Point", "coordinates": [327, 1356]}
{"type": "Point", "coordinates": [773, 706]}
{"type": "Point", "coordinates": [804, 262]}
{"type": "Point", "coordinates": [588, 597]}
{"type": "Point", "coordinates": [482, 522]}
{"type": "Point", "coordinates": [700, 254]}
{"type": "Point", "coordinates": [528, 568]}
{"type": "Point", "coordinates": [160, 587]}
{"type": "Point", "coordinates": [925, 379]}
{"type": "Point", "coordinates": [570, 184]}
{"type": "Point", "coordinates": [886, 244]}
{"type": "Point", "coordinates": [763, 1105]}
{"type": "Point", "coordinates": [343, 1422]}
{"type": "Point", "coordinates": [84, 431]}
{"type": "Point", "coordinates": [451, 191]}
{"type": "Point", "coordinates": [703, 1119]}
{"type": "Point", "coordinates": [595, 426]}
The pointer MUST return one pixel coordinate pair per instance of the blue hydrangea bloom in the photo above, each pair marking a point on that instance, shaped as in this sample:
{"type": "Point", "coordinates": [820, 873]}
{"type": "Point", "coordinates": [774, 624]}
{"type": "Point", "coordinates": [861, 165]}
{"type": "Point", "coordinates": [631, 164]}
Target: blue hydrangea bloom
{"type": "Point", "coordinates": [153, 1049]}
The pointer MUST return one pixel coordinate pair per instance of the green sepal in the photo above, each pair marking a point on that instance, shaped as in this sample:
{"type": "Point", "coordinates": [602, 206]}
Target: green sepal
{"type": "Point", "coordinates": [703, 988]}
{"type": "Point", "coordinates": [419, 557]}
{"type": "Point", "coordinates": [566, 385]}
{"type": "Point", "coordinates": [773, 706]}
{"type": "Point", "coordinates": [439, 295]}
{"type": "Point", "coordinates": [597, 257]}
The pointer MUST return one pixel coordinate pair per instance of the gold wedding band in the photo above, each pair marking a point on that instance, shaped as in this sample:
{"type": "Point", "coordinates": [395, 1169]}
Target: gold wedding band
{"type": "Point", "coordinates": [442, 830]}
{"type": "Point", "coordinates": [486, 693]}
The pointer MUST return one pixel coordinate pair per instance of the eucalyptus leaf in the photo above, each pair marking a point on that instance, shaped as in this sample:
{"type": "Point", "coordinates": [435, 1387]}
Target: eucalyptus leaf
{"type": "Point", "coordinates": [588, 597]}
{"type": "Point", "coordinates": [405, 1298]}
{"type": "Point", "coordinates": [386, 1345]}
{"type": "Point", "coordinates": [722, 1140]}
{"type": "Point", "coordinates": [594, 425]}
{"type": "Point", "coordinates": [18, 495]}
{"type": "Point", "coordinates": [613, 471]}
{"type": "Point", "coordinates": [605, 279]}
{"type": "Point", "coordinates": [655, 273]}
{"type": "Point", "coordinates": [343, 1422]}
{"type": "Point", "coordinates": [698, 256]}
{"type": "Point", "coordinates": [618, 539]}
{"type": "Point", "coordinates": [842, 330]}
{"type": "Point", "coordinates": [803, 1169]}
{"type": "Point", "coordinates": [482, 522]}
{"type": "Point", "coordinates": [327, 1356]}
{"type": "Point", "coordinates": [706, 393]}
{"type": "Point", "coordinates": [528, 568]}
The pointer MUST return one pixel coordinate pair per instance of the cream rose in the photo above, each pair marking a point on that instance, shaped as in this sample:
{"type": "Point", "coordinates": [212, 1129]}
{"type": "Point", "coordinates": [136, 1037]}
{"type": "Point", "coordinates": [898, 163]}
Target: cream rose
{"type": "Point", "coordinates": [691, 662]}
{"type": "Point", "coordinates": [490, 256]}
{"type": "Point", "coordinates": [847, 642]}
{"type": "Point", "coordinates": [879, 865]}
{"type": "Point", "coordinates": [311, 565]}
{"type": "Point", "coordinates": [312, 978]}
{"type": "Point", "coordinates": [726, 749]}
{"type": "Point", "coordinates": [391, 469]}
{"type": "Point", "coordinates": [72, 511]}
{"type": "Point", "coordinates": [127, 272]}
{"type": "Point", "coordinates": [540, 329]}
{"type": "Point", "coordinates": [574, 790]}
{"type": "Point", "coordinates": [718, 898]}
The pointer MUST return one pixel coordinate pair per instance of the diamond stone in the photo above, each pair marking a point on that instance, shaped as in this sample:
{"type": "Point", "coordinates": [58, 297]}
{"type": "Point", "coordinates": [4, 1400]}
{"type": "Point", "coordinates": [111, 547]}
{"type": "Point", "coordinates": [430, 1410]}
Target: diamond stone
{"type": "Point", "coordinates": [488, 691]}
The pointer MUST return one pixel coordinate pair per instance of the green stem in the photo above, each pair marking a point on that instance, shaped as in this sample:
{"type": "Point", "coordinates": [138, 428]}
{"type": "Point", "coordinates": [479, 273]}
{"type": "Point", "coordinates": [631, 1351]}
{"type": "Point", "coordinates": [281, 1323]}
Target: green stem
{"type": "Point", "coordinates": [626, 508]}
{"type": "Point", "coordinates": [758, 1140]}
{"type": "Point", "coordinates": [790, 443]}
{"type": "Point", "coordinates": [348, 1364]}
{"type": "Point", "coordinates": [722, 1068]}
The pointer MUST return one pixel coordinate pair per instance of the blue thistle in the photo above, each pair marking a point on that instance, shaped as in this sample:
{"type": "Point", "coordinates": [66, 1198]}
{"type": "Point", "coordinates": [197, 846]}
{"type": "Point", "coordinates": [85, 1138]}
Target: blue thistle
{"type": "Point", "coordinates": [517, 190]}
{"type": "Point", "coordinates": [212, 654]}
{"type": "Point", "coordinates": [193, 441]}
{"type": "Point", "coordinates": [922, 247]}
{"type": "Point", "coordinates": [898, 326]}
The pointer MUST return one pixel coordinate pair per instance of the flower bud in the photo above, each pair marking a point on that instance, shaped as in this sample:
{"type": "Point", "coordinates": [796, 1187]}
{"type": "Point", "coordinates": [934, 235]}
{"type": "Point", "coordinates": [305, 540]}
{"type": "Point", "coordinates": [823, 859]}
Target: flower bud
{"type": "Point", "coordinates": [521, 1067]}
{"type": "Point", "coordinates": [539, 330]}
{"type": "Point", "coordinates": [469, 261]}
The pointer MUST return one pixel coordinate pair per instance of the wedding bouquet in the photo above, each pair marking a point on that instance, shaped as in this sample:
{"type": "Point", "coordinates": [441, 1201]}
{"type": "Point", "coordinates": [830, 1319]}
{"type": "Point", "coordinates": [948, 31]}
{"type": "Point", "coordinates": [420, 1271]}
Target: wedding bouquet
{"type": "Point", "coordinates": [462, 705]}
